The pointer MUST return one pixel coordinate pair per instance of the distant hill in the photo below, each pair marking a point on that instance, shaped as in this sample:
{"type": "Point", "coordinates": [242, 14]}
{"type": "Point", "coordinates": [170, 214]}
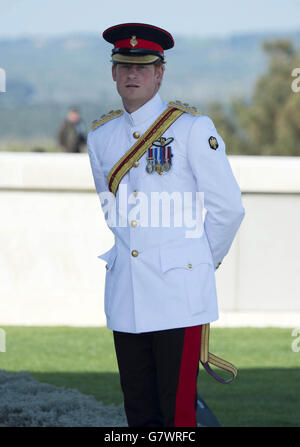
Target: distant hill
{"type": "Point", "coordinates": [47, 75]}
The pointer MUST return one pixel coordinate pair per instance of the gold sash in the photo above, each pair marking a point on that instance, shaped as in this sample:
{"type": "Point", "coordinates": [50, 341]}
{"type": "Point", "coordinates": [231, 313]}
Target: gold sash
{"type": "Point", "coordinates": [163, 122]}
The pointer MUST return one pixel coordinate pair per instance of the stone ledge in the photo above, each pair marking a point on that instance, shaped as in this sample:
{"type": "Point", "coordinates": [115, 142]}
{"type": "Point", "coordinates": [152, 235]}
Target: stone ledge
{"type": "Point", "coordinates": [45, 171]}
{"type": "Point", "coordinates": [258, 319]}
{"type": "Point", "coordinates": [61, 171]}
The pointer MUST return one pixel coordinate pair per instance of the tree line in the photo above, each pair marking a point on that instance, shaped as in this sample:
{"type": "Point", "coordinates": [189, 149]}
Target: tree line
{"type": "Point", "coordinates": [269, 124]}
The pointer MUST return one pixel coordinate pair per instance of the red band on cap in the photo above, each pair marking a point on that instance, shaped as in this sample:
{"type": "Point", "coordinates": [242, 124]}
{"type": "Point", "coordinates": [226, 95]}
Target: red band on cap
{"type": "Point", "coordinates": [145, 44]}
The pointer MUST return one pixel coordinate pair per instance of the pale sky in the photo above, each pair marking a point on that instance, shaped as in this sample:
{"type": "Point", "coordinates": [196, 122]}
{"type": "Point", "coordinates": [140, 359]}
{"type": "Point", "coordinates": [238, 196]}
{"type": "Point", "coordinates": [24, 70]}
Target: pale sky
{"type": "Point", "coordinates": [185, 17]}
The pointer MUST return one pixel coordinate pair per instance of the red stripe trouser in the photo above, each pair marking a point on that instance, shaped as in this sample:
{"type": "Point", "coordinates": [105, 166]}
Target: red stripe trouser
{"type": "Point", "coordinates": [158, 376]}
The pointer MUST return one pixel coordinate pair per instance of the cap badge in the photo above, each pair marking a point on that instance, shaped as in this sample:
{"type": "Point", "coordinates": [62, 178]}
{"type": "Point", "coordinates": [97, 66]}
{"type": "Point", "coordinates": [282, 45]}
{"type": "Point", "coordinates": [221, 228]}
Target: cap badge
{"type": "Point", "coordinates": [133, 41]}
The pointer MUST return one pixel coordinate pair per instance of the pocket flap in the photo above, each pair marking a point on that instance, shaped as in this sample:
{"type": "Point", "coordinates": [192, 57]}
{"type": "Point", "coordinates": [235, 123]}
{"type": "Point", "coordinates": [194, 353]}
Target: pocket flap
{"type": "Point", "coordinates": [109, 256]}
{"type": "Point", "coordinates": [185, 253]}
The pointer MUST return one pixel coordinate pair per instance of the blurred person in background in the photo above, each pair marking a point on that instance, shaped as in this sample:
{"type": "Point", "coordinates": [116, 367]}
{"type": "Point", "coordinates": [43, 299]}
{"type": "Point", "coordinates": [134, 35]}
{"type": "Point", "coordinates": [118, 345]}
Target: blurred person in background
{"type": "Point", "coordinates": [72, 133]}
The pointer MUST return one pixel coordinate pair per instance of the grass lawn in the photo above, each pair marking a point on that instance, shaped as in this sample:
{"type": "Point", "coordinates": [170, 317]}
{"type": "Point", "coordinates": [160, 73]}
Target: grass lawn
{"type": "Point", "coordinates": [265, 393]}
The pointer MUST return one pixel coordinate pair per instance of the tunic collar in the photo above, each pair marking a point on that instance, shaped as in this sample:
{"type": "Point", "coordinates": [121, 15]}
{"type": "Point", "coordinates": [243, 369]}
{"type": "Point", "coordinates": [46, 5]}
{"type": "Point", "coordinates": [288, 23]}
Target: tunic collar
{"type": "Point", "coordinates": [151, 109]}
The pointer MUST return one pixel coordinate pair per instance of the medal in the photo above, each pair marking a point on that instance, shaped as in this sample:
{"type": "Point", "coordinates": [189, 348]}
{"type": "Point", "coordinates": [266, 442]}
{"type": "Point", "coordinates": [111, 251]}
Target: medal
{"type": "Point", "coordinates": [159, 160]}
{"type": "Point", "coordinates": [166, 166]}
{"type": "Point", "coordinates": [150, 161]}
{"type": "Point", "coordinates": [159, 168]}
{"type": "Point", "coordinates": [167, 158]}
{"type": "Point", "coordinates": [159, 156]}
{"type": "Point", "coordinates": [150, 167]}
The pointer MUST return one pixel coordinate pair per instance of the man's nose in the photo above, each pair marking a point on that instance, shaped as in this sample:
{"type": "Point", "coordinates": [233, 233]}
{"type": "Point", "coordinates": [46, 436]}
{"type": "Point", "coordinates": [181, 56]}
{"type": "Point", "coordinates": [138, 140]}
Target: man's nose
{"type": "Point", "coordinates": [132, 72]}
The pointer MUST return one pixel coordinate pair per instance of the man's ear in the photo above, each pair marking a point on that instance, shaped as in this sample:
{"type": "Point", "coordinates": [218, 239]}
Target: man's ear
{"type": "Point", "coordinates": [113, 71]}
{"type": "Point", "coordinates": [159, 72]}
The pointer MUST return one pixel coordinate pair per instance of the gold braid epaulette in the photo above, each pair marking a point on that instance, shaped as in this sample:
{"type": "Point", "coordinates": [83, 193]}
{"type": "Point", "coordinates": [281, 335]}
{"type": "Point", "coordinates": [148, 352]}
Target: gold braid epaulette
{"type": "Point", "coordinates": [104, 118]}
{"type": "Point", "coordinates": [184, 107]}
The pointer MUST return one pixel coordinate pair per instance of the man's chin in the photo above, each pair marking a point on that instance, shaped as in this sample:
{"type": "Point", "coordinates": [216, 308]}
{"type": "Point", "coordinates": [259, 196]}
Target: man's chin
{"type": "Point", "coordinates": [132, 92]}
{"type": "Point", "coordinates": [135, 100]}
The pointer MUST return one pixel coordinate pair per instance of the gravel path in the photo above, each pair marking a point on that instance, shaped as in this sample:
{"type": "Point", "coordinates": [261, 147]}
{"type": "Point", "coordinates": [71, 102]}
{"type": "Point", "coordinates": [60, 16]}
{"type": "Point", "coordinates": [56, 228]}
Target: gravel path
{"type": "Point", "coordinates": [25, 402]}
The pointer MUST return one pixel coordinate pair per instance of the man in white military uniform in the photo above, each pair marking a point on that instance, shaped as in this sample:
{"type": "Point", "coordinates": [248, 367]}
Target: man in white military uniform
{"type": "Point", "coordinates": [160, 290]}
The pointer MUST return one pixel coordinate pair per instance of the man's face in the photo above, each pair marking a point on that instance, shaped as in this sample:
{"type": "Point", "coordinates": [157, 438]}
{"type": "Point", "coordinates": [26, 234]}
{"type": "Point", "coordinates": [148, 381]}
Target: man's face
{"type": "Point", "coordinates": [138, 83]}
{"type": "Point", "coordinates": [73, 116]}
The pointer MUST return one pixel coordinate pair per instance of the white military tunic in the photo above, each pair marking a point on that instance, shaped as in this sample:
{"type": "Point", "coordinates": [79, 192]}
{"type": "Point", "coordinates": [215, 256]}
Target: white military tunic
{"type": "Point", "coordinates": [170, 283]}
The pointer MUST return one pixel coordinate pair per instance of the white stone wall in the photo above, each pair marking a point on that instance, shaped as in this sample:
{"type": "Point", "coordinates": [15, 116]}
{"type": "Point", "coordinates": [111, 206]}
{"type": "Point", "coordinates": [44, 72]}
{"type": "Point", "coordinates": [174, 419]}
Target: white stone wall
{"type": "Point", "coordinates": [52, 229]}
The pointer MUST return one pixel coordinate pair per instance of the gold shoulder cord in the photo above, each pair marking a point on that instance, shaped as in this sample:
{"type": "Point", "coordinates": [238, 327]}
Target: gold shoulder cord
{"type": "Point", "coordinates": [206, 357]}
{"type": "Point", "coordinates": [161, 124]}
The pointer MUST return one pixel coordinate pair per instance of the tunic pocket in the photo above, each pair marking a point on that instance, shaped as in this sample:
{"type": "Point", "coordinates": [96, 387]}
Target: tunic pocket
{"type": "Point", "coordinates": [109, 256]}
{"type": "Point", "coordinates": [199, 283]}
{"type": "Point", "coordinates": [191, 264]}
